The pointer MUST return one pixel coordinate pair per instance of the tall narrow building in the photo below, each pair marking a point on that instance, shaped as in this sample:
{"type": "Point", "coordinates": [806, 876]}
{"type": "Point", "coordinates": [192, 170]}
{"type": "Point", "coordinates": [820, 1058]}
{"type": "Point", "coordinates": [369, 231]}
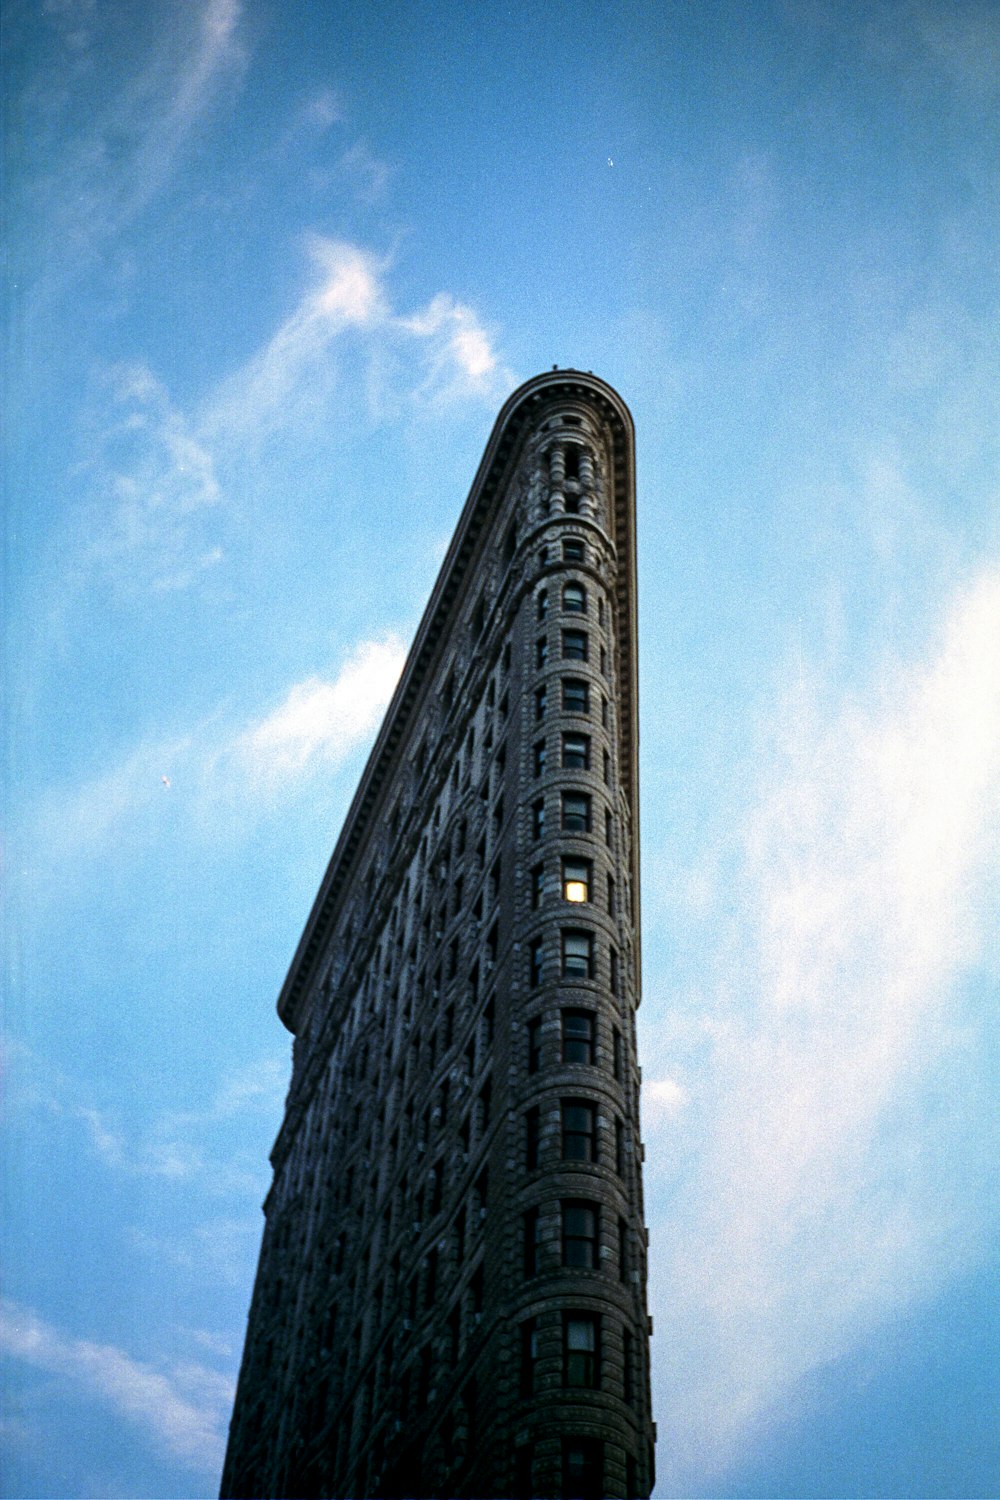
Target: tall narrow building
{"type": "Point", "coordinates": [451, 1296]}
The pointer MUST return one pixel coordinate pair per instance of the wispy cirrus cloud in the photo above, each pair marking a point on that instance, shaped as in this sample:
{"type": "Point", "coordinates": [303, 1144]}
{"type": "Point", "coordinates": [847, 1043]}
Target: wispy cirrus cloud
{"type": "Point", "coordinates": [295, 364]}
{"type": "Point", "coordinates": [134, 144]}
{"type": "Point", "coordinates": [152, 479]}
{"type": "Point", "coordinates": [224, 771]}
{"type": "Point", "coordinates": [174, 1146]}
{"type": "Point", "coordinates": [182, 1407]}
{"type": "Point", "coordinates": [157, 519]}
{"type": "Point", "coordinates": [833, 1138]}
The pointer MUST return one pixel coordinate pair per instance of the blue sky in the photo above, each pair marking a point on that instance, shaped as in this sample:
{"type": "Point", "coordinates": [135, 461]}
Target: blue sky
{"type": "Point", "coordinates": [272, 271]}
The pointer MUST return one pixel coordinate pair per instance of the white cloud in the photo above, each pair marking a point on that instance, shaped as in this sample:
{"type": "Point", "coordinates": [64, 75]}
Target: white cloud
{"type": "Point", "coordinates": [295, 366]}
{"type": "Point", "coordinates": [365, 171]}
{"type": "Point", "coordinates": [176, 1146]}
{"type": "Point", "coordinates": [182, 1409]}
{"type": "Point", "coordinates": [324, 720]}
{"type": "Point", "coordinates": [152, 479]}
{"type": "Point", "coordinates": [155, 521]}
{"type": "Point", "coordinates": [459, 355]}
{"type": "Point", "coordinates": [295, 373]}
{"type": "Point", "coordinates": [838, 1169]}
{"type": "Point", "coordinates": [132, 149]}
{"type": "Point", "coordinates": [219, 776]}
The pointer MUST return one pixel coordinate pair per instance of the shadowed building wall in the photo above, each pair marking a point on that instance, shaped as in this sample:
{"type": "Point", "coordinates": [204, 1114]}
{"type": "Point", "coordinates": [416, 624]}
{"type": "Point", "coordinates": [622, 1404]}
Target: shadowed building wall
{"type": "Point", "coordinates": [450, 1298]}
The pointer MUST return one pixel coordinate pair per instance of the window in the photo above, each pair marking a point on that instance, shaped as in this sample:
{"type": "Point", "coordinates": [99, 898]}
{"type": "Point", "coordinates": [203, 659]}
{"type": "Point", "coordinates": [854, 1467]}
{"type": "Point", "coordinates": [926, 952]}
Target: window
{"type": "Point", "coordinates": [615, 980]}
{"type": "Point", "coordinates": [538, 818]}
{"type": "Point", "coordinates": [510, 542]}
{"type": "Point", "coordinates": [573, 551]}
{"type": "Point", "coordinates": [607, 768]}
{"type": "Point", "coordinates": [541, 651]}
{"type": "Point", "coordinates": [574, 645]}
{"type": "Point", "coordinates": [618, 1054]}
{"type": "Point", "coordinates": [605, 715]}
{"type": "Point", "coordinates": [524, 1472]}
{"type": "Point", "coordinates": [579, 1234]}
{"type": "Point", "coordinates": [534, 1044]}
{"type": "Point", "coordinates": [581, 1351]}
{"type": "Point", "coordinates": [622, 1250]}
{"type": "Point", "coordinates": [579, 1130]}
{"type": "Point", "coordinates": [540, 701]}
{"type": "Point", "coordinates": [542, 604]}
{"type": "Point", "coordinates": [529, 1355]}
{"type": "Point", "coordinates": [578, 1036]}
{"type": "Point", "coordinates": [576, 879]}
{"type": "Point", "coordinates": [627, 1366]}
{"type": "Point", "coordinates": [536, 964]}
{"type": "Point", "coordinates": [576, 752]}
{"type": "Point", "coordinates": [619, 1147]}
{"type": "Point", "coordinates": [575, 812]}
{"type": "Point", "coordinates": [532, 1132]}
{"type": "Point", "coordinates": [575, 695]}
{"type": "Point", "coordinates": [604, 662]}
{"type": "Point", "coordinates": [539, 757]}
{"type": "Point", "coordinates": [611, 895]}
{"type": "Point", "coordinates": [577, 955]}
{"type": "Point", "coordinates": [583, 1469]}
{"type": "Point", "coordinates": [608, 826]}
{"type": "Point", "coordinates": [537, 886]}
{"type": "Point", "coordinates": [531, 1226]}
{"type": "Point", "coordinates": [572, 460]}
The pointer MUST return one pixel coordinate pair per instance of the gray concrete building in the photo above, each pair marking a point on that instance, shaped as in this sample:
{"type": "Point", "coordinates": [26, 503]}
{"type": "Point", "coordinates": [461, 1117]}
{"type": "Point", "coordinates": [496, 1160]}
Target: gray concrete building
{"type": "Point", "coordinates": [451, 1295]}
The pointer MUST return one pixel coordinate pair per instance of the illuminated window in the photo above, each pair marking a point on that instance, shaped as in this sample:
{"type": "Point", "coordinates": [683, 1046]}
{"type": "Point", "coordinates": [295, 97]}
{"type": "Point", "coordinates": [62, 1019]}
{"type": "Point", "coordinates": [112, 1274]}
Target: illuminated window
{"type": "Point", "coordinates": [576, 880]}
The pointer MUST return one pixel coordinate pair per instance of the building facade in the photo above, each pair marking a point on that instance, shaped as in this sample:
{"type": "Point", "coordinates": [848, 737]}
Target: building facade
{"type": "Point", "coordinates": [451, 1295]}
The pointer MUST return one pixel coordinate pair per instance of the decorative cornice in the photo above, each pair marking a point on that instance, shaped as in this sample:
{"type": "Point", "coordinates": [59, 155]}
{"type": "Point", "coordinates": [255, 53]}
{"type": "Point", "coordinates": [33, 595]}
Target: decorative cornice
{"type": "Point", "coordinates": [520, 413]}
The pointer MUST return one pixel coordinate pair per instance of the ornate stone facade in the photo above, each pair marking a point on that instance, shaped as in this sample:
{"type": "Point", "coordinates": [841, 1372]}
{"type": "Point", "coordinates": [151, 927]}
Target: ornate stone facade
{"type": "Point", "coordinates": [450, 1299]}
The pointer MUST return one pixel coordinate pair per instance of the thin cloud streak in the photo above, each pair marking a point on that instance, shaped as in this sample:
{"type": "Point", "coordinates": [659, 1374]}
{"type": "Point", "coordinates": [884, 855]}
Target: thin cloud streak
{"type": "Point", "coordinates": [235, 772]}
{"type": "Point", "coordinates": [100, 190]}
{"type": "Point", "coordinates": [176, 1146]}
{"type": "Point", "coordinates": [158, 514]}
{"type": "Point", "coordinates": [182, 1409]}
{"type": "Point", "coordinates": [822, 1201]}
